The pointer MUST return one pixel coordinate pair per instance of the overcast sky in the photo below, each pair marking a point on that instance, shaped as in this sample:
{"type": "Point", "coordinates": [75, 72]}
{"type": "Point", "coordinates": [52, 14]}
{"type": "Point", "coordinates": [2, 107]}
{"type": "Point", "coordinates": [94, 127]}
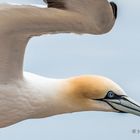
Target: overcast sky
{"type": "Point", "coordinates": [115, 55]}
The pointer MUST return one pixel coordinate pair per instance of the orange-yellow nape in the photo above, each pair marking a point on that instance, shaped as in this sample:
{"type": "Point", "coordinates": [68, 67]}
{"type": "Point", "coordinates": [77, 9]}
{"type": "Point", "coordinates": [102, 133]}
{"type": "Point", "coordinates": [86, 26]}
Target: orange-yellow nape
{"type": "Point", "coordinates": [83, 93]}
{"type": "Point", "coordinates": [94, 93]}
{"type": "Point", "coordinates": [92, 86]}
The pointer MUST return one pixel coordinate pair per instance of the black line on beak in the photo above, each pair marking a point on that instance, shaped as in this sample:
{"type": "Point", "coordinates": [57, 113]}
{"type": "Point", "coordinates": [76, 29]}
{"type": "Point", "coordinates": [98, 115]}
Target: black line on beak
{"type": "Point", "coordinates": [111, 106]}
{"type": "Point", "coordinates": [130, 101]}
{"type": "Point", "coordinates": [128, 107]}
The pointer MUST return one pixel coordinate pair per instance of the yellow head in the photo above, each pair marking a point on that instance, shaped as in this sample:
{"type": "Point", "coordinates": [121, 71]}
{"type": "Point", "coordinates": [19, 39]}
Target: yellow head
{"type": "Point", "coordinates": [96, 93]}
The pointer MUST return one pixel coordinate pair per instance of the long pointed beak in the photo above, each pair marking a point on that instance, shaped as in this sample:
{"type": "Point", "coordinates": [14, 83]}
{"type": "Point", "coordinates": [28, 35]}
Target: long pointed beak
{"type": "Point", "coordinates": [124, 104]}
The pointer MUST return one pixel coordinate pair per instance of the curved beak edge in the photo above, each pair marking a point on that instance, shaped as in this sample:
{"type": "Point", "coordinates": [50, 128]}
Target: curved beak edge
{"type": "Point", "coordinates": [125, 105]}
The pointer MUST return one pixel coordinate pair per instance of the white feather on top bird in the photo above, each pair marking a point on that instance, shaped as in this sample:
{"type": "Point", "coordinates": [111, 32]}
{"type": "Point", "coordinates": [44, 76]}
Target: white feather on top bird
{"type": "Point", "coordinates": [25, 95]}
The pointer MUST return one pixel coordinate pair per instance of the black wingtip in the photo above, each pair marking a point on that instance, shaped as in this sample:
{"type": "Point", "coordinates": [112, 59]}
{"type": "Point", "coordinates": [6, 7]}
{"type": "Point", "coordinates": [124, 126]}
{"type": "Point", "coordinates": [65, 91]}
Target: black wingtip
{"type": "Point", "coordinates": [55, 4]}
{"type": "Point", "coordinates": [114, 8]}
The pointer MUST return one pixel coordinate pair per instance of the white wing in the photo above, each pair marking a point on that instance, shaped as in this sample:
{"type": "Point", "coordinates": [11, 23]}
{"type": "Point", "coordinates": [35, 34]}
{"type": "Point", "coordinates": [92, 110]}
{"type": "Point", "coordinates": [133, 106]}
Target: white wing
{"type": "Point", "coordinates": [19, 23]}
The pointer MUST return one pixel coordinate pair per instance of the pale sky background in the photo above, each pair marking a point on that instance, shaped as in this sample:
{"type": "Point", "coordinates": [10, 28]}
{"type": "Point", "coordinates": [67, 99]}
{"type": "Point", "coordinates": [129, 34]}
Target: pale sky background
{"type": "Point", "coordinates": [115, 55]}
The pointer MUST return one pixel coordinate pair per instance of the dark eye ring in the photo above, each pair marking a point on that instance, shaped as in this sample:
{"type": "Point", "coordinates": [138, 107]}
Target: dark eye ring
{"type": "Point", "coordinates": [110, 94]}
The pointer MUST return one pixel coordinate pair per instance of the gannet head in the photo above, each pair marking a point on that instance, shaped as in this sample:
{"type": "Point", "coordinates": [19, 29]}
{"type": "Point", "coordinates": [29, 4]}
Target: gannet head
{"type": "Point", "coordinates": [96, 93]}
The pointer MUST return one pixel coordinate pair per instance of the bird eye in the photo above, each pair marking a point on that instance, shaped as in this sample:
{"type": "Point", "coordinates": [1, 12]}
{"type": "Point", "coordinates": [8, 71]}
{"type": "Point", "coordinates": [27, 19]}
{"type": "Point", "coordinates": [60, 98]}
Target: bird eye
{"type": "Point", "coordinates": [110, 94]}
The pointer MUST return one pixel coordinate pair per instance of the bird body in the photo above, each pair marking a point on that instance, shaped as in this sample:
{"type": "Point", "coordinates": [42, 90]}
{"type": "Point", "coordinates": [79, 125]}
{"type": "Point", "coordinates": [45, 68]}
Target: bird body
{"type": "Point", "coordinates": [27, 98]}
{"type": "Point", "coordinates": [25, 95]}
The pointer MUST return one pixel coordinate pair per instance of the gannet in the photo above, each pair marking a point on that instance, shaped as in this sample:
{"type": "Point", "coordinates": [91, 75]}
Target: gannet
{"type": "Point", "coordinates": [26, 95]}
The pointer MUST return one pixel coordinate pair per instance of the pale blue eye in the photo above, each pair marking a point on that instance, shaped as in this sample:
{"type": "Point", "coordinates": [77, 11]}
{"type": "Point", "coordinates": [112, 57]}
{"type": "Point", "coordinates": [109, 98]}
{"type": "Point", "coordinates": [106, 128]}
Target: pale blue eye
{"type": "Point", "coordinates": [110, 94]}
